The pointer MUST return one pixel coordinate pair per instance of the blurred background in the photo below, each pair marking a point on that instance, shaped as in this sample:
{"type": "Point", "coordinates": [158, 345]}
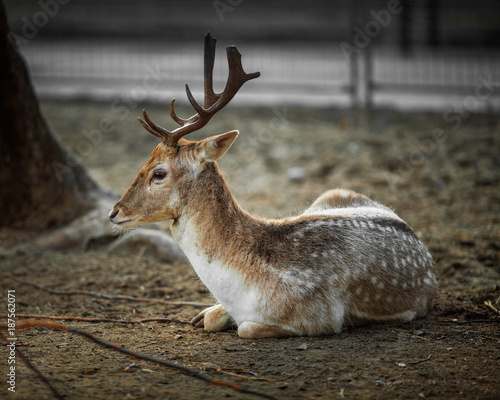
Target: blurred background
{"type": "Point", "coordinates": [420, 54]}
{"type": "Point", "coordinates": [395, 99]}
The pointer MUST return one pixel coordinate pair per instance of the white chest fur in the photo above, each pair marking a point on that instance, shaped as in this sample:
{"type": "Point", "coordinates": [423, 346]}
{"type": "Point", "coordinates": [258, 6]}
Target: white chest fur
{"type": "Point", "coordinates": [238, 298]}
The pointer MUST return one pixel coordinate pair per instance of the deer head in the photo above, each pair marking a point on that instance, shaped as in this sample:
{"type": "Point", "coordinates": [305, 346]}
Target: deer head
{"type": "Point", "coordinates": [162, 185]}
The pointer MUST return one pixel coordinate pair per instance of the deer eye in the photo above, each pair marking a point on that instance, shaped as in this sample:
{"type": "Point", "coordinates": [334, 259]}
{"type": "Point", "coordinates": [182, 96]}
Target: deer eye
{"type": "Point", "coordinates": [159, 175]}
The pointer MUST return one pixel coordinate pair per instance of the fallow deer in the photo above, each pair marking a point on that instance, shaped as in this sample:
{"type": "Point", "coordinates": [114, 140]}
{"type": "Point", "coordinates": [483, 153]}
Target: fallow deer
{"type": "Point", "coordinates": [347, 260]}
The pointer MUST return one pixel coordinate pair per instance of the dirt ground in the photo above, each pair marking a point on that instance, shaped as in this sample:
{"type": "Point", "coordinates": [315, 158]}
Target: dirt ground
{"type": "Point", "coordinates": [440, 172]}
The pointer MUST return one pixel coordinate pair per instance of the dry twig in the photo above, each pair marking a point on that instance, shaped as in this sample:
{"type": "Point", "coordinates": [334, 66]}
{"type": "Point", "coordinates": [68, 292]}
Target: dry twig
{"type": "Point", "coordinates": [94, 320]}
{"type": "Point", "coordinates": [491, 307]}
{"type": "Point", "coordinates": [30, 323]}
{"type": "Point", "coordinates": [232, 370]}
{"type": "Point", "coordinates": [31, 366]}
{"type": "Point", "coordinates": [106, 296]}
{"type": "Point", "coordinates": [408, 334]}
{"type": "Point", "coordinates": [421, 361]}
{"type": "Point", "coordinates": [472, 321]}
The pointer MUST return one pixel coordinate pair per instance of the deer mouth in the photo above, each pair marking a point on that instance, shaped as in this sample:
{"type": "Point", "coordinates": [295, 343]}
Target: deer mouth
{"type": "Point", "coordinates": [125, 223]}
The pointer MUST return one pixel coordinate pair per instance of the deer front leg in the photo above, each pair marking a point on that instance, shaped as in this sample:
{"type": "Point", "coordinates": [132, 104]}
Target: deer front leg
{"type": "Point", "coordinates": [213, 319]}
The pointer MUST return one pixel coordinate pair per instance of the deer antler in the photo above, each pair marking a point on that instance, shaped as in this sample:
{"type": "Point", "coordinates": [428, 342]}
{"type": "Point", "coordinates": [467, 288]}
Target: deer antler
{"type": "Point", "coordinates": [213, 101]}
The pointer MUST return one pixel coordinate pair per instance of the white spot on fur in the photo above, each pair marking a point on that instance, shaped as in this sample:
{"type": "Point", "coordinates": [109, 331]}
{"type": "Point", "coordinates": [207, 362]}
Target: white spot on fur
{"type": "Point", "coordinates": [423, 301]}
{"type": "Point", "coordinates": [402, 316]}
{"type": "Point", "coordinates": [356, 212]}
{"type": "Point", "coordinates": [337, 312]}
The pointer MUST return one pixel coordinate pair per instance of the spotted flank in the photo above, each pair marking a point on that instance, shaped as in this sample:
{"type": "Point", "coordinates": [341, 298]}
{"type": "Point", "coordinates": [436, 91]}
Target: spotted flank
{"type": "Point", "coordinates": [362, 260]}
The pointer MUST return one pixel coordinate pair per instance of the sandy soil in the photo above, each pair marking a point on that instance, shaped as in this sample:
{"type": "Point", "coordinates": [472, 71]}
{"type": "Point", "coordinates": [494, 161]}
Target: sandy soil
{"type": "Point", "coordinates": [440, 174]}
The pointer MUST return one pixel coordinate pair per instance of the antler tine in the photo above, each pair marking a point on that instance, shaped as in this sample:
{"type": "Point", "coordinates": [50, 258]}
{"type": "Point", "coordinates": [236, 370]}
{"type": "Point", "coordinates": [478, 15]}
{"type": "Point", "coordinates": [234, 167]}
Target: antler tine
{"type": "Point", "coordinates": [175, 117]}
{"type": "Point", "coordinates": [237, 77]}
{"type": "Point", "coordinates": [213, 102]}
{"type": "Point", "coordinates": [210, 96]}
{"type": "Point", "coordinates": [153, 128]}
{"type": "Point", "coordinates": [199, 110]}
{"type": "Point", "coordinates": [146, 126]}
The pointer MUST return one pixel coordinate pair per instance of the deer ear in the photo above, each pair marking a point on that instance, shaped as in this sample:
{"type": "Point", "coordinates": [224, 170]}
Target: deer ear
{"type": "Point", "coordinates": [213, 148]}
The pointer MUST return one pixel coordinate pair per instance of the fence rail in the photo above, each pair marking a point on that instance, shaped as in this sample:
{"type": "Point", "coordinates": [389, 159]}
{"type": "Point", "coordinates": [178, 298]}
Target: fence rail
{"type": "Point", "coordinates": [347, 52]}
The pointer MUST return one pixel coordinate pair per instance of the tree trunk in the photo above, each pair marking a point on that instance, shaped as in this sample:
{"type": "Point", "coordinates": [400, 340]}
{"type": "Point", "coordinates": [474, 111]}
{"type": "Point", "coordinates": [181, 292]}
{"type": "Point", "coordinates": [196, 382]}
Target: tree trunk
{"type": "Point", "coordinates": [41, 185]}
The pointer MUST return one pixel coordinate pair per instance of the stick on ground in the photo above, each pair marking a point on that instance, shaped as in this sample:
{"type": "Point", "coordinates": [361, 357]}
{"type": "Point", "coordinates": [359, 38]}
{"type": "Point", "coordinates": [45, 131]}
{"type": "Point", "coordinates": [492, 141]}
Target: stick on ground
{"type": "Point", "coordinates": [31, 323]}
{"type": "Point", "coordinates": [96, 320]}
{"type": "Point", "coordinates": [420, 361]}
{"type": "Point", "coordinates": [31, 366]}
{"type": "Point", "coordinates": [106, 296]}
{"type": "Point", "coordinates": [491, 307]}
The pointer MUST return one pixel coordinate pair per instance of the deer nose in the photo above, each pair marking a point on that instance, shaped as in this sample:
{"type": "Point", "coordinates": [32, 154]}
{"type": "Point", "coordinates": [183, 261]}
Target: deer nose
{"type": "Point", "coordinates": [113, 214]}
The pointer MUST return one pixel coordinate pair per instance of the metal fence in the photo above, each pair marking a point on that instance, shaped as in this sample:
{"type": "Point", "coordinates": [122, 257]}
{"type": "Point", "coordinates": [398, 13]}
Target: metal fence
{"type": "Point", "coordinates": [433, 52]}
{"type": "Point", "coordinates": [418, 53]}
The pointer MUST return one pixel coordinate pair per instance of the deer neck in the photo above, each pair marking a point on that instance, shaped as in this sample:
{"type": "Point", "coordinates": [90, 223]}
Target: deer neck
{"type": "Point", "coordinates": [212, 223]}
{"type": "Point", "coordinates": [219, 238]}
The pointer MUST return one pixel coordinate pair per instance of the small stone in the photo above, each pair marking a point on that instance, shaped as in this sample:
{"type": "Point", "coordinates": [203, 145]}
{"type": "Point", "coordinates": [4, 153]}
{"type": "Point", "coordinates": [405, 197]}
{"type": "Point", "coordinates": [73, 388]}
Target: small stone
{"type": "Point", "coordinates": [295, 174]}
{"type": "Point", "coordinates": [303, 346]}
{"type": "Point", "coordinates": [90, 371]}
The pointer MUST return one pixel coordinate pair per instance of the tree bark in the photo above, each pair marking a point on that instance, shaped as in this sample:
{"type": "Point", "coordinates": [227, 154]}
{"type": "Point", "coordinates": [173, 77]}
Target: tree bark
{"type": "Point", "coordinates": [41, 185]}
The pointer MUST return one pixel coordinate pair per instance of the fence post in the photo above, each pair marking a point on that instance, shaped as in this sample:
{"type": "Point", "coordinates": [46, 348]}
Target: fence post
{"type": "Point", "coordinates": [361, 63]}
{"type": "Point", "coordinates": [368, 82]}
{"type": "Point", "coordinates": [353, 62]}
{"type": "Point", "coordinates": [405, 40]}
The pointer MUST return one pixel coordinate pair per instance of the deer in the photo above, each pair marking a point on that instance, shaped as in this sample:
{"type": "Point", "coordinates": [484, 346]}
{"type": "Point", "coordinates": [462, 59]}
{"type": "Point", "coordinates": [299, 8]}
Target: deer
{"type": "Point", "coordinates": [345, 261]}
